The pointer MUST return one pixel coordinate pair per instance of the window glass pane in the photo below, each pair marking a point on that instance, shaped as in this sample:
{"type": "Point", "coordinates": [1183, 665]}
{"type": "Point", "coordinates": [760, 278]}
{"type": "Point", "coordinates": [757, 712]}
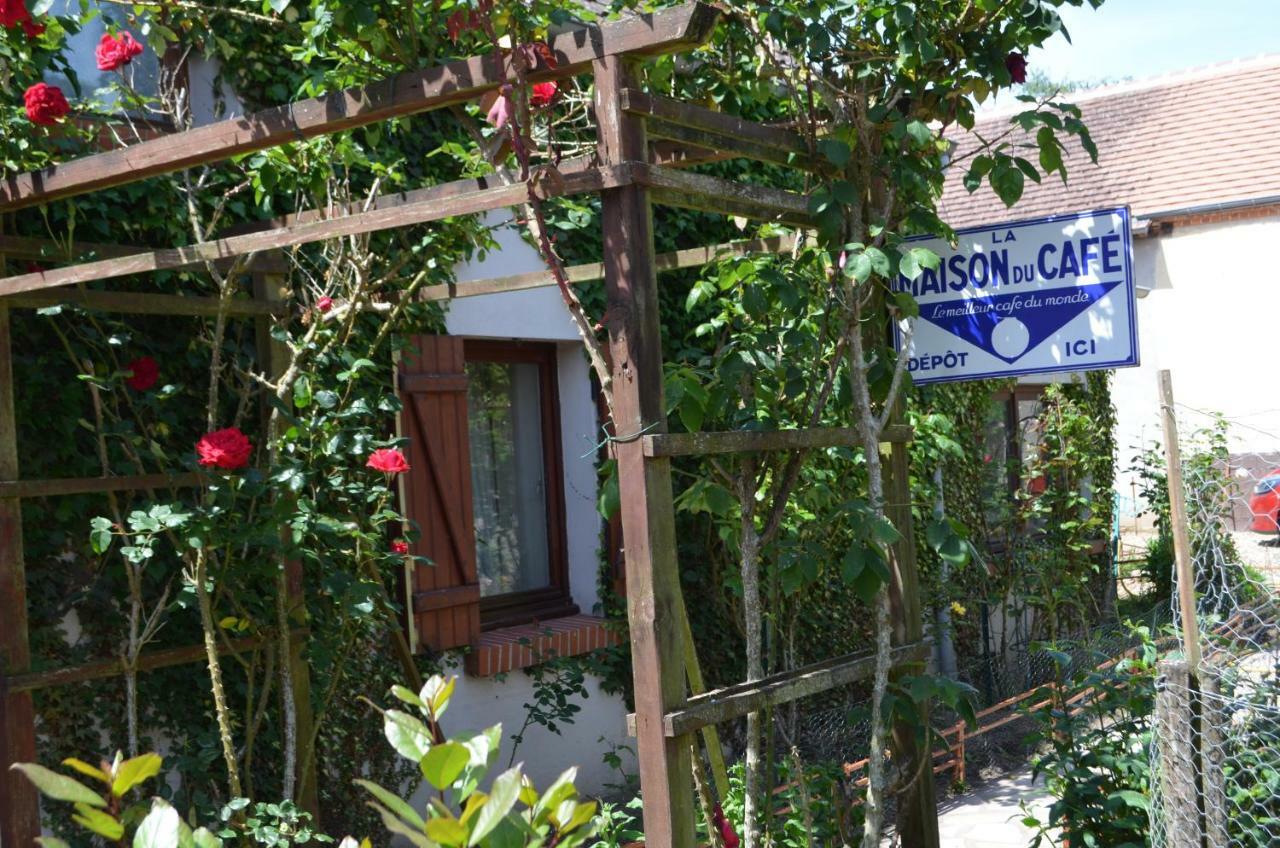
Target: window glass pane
{"type": "Point", "coordinates": [508, 476]}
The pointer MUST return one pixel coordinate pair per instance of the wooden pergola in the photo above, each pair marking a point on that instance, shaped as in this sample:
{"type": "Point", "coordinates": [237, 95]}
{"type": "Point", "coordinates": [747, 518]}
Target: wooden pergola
{"type": "Point", "coordinates": [643, 141]}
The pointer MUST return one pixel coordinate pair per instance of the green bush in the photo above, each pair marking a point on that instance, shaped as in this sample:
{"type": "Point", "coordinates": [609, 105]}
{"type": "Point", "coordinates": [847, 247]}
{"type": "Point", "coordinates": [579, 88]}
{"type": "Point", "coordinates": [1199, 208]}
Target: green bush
{"type": "Point", "coordinates": [1095, 724]}
{"type": "Point", "coordinates": [510, 814]}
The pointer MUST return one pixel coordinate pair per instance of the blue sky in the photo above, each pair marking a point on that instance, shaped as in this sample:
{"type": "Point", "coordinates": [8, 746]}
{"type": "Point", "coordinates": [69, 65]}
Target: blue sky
{"type": "Point", "coordinates": [1144, 38]}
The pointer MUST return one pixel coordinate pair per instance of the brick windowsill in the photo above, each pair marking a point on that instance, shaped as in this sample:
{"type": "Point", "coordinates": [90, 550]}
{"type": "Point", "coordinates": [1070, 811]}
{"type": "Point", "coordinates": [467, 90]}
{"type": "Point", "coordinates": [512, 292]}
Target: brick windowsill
{"type": "Point", "coordinates": [512, 648]}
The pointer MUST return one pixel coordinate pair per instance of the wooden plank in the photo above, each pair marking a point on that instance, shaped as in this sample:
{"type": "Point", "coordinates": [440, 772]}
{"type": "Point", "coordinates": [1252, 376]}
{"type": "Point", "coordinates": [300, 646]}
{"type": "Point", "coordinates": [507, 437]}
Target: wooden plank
{"type": "Point", "coordinates": [408, 93]}
{"type": "Point", "coordinates": [726, 197]}
{"type": "Point", "coordinates": [698, 686]}
{"type": "Point", "coordinates": [19, 804]}
{"type": "Point", "coordinates": [647, 511]}
{"type": "Point", "coordinates": [140, 303]}
{"type": "Point", "coordinates": [90, 485]}
{"type": "Point", "coordinates": [705, 129]}
{"type": "Point", "coordinates": [727, 147]}
{"type": "Point", "coordinates": [101, 669]}
{"type": "Point", "coordinates": [48, 250]}
{"type": "Point", "coordinates": [740, 441]}
{"type": "Point", "coordinates": [720, 123]}
{"type": "Point", "coordinates": [376, 219]}
{"type": "Point", "coordinates": [431, 600]}
{"type": "Point", "coordinates": [694, 257]}
{"type": "Point", "coordinates": [734, 702]}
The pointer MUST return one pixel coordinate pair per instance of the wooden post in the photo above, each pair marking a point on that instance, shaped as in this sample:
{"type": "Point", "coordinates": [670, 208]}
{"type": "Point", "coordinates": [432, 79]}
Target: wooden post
{"type": "Point", "coordinates": [648, 516]}
{"type": "Point", "coordinates": [917, 805]}
{"type": "Point", "coordinates": [1178, 518]}
{"type": "Point", "coordinates": [1215, 720]}
{"type": "Point", "coordinates": [19, 804]}
{"type": "Point", "coordinates": [273, 289]}
{"type": "Point", "coordinates": [1175, 733]}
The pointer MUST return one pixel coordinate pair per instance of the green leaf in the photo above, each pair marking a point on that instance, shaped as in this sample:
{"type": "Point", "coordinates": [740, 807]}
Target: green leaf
{"type": "Point", "coordinates": [59, 787]}
{"type": "Point", "coordinates": [392, 823]}
{"type": "Point", "coordinates": [407, 735]}
{"type": "Point", "coordinates": [87, 770]}
{"type": "Point", "coordinates": [395, 803]}
{"type": "Point", "coordinates": [502, 797]}
{"type": "Point", "coordinates": [202, 838]}
{"type": "Point", "coordinates": [1008, 183]}
{"type": "Point", "coordinates": [302, 392]}
{"type": "Point", "coordinates": [100, 534]}
{"type": "Point", "coordinates": [436, 693]}
{"type": "Point", "coordinates": [444, 763]}
{"type": "Point", "coordinates": [159, 829]}
{"type": "Point", "coordinates": [836, 152]}
{"type": "Point", "coordinates": [106, 826]}
{"type": "Point", "coordinates": [1132, 798]}
{"type": "Point", "coordinates": [447, 831]}
{"type": "Point", "coordinates": [134, 771]}
{"type": "Point", "coordinates": [920, 133]}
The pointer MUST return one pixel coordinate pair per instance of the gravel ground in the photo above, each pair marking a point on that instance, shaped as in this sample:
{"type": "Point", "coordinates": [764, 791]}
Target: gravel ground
{"type": "Point", "coordinates": [1260, 551]}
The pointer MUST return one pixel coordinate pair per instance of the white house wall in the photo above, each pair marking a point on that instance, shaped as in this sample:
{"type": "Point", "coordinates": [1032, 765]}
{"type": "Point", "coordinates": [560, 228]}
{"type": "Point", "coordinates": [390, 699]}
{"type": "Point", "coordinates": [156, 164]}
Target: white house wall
{"type": "Point", "coordinates": [1210, 317]}
{"type": "Point", "coordinates": [539, 314]}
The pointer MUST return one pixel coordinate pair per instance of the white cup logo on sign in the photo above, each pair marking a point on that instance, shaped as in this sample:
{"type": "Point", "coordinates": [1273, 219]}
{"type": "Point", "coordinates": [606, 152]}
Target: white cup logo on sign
{"type": "Point", "coordinates": [1010, 337]}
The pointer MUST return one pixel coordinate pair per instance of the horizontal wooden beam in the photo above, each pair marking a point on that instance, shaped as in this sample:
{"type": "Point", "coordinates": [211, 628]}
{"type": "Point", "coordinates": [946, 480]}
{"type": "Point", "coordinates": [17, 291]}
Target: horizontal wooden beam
{"type": "Point", "coordinates": [743, 441]}
{"type": "Point", "coordinates": [696, 126]}
{"type": "Point", "coordinates": [705, 193]}
{"type": "Point", "coordinates": [143, 303]}
{"type": "Point", "coordinates": [147, 661]}
{"type": "Point", "coordinates": [694, 257]}
{"type": "Point", "coordinates": [444, 201]}
{"type": "Point", "coordinates": [408, 93]}
{"type": "Point", "coordinates": [90, 485]}
{"type": "Point", "coordinates": [49, 250]}
{"type": "Point", "coordinates": [733, 702]}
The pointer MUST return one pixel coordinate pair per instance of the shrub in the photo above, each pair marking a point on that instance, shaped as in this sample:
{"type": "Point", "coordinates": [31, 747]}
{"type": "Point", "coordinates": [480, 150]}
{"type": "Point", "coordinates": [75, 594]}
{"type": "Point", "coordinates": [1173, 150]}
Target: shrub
{"type": "Point", "coordinates": [459, 813]}
{"type": "Point", "coordinates": [1096, 724]}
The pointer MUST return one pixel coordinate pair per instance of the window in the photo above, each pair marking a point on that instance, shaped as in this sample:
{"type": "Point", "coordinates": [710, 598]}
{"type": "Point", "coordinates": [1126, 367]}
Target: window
{"type": "Point", "coordinates": [517, 482]}
{"type": "Point", "coordinates": [1013, 442]}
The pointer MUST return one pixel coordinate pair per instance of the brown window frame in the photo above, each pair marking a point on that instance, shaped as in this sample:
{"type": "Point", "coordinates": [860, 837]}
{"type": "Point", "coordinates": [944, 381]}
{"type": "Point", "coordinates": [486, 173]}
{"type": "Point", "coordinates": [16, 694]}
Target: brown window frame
{"type": "Point", "coordinates": [554, 601]}
{"type": "Point", "coordinates": [1008, 399]}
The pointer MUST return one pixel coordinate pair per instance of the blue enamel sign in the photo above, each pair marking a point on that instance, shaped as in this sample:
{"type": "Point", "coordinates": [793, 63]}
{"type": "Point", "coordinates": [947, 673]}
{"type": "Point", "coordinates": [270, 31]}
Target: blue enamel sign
{"type": "Point", "coordinates": [1028, 297]}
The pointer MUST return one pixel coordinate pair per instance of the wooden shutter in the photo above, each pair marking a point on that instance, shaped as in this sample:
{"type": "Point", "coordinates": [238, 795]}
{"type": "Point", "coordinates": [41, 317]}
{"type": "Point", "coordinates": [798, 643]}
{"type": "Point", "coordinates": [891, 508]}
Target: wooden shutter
{"type": "Point", "coordinates": [445, 595]}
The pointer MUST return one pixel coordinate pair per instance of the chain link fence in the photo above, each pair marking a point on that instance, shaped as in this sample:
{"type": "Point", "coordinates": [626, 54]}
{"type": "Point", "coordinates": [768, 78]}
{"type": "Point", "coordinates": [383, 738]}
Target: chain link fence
{"type": "Point", "coordinates": [1216, 734]}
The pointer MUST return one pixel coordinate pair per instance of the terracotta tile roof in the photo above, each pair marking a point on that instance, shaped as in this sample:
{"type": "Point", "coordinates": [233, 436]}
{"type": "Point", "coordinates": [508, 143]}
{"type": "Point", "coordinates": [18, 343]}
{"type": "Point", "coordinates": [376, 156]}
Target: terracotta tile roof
{"type": "Point", "coordinates": [1195, 139]}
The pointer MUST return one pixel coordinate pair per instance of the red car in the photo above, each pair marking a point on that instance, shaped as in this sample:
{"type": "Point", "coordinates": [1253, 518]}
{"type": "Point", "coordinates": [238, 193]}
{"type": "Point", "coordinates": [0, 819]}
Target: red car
{"type": "Point", "coordinates": [1265, 503]}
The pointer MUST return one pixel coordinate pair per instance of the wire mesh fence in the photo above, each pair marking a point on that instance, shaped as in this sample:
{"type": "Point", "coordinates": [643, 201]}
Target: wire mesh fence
{"type": "Point", "coordinates": [1216, 745]}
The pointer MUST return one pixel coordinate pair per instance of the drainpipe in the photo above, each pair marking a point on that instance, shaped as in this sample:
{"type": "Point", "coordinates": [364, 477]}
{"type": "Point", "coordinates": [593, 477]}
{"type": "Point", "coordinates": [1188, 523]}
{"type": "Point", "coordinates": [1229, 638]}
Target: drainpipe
{"type": "Point", "coordinates": [945, 643]}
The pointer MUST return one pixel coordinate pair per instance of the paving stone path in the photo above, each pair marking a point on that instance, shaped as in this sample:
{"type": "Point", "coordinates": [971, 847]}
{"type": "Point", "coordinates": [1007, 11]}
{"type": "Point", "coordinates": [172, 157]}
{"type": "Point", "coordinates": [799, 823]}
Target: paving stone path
{"type": "Point", "coordinates": [990, 816]}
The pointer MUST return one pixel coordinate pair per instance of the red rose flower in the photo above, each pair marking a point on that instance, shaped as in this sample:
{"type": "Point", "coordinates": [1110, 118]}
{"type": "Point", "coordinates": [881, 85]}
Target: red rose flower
{"type": "Point", "coordinates": [46, 104]}
{"type": "Point", "coordinates": [324, 304]}
{"type": "Point", "coordinates": [400, 546]}
{"type": "Point", "coordinates": [542, 95]}
{"type": "Point", "coordinates": [727, 835]}
{"type": "Point", "coordinates": [13, 13]}
{"type": "Point", "coordinates": [1016, 64]}
{"type": "Point", "coordinates": [145, 372]}
{"type": "Point", "coordinates": [388, 461]}
{"type": "Point", "coordinates": [116, 51]}
{"type": "Point", "coordinates": [33, 29]}
{"type": "Point", "coordinates": [229, 449]}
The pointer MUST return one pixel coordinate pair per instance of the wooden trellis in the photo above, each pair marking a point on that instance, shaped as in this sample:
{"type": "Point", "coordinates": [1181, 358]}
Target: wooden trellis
{"type": "Point", "coordinates": [643, 140]}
